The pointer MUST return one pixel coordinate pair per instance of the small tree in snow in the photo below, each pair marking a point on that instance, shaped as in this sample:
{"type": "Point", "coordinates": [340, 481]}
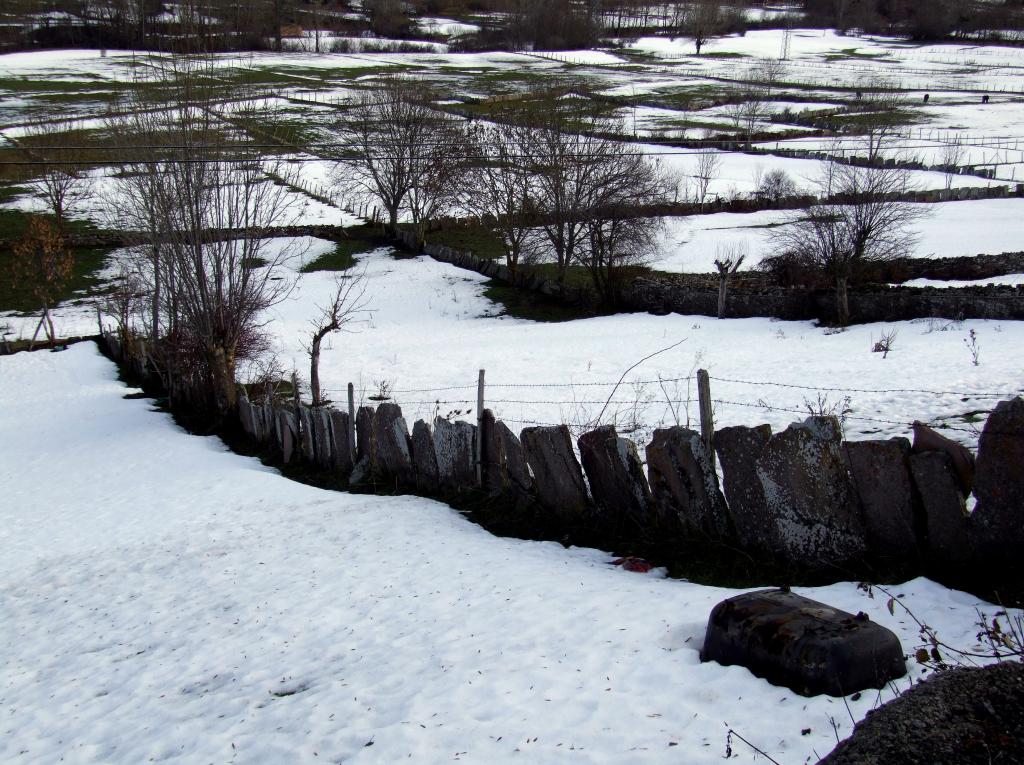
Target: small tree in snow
{"type": "Point", "coordinates": [837, 238]}
{"type": "Point", "coordinates": [42, 264]}
{"type": "Point", "coordinates": [348, 300]}
{"type": "Point", "coordinates": [708, 165]}
{"type": "Point", "coordinates": [728, 259]}
{"type": "Point", "coordinates": [61, 180]}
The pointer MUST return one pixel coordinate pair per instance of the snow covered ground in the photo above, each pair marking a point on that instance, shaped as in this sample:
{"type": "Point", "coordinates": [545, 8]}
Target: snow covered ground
{"type": "Point", "coordinates": [432, 328]}
{"type": "Point", "coordinates": [167, 600]}
{"type": "Point", "coordinates": [949, 229]}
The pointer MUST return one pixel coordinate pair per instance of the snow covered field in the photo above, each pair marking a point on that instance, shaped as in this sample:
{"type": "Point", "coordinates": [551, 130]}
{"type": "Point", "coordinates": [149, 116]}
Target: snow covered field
{"type": "Point", "coordinates": [432, 328]}
{"type": "Point", "coordinates": [949, 229]}
{"type": "Point", "coordinates": [167, 600]}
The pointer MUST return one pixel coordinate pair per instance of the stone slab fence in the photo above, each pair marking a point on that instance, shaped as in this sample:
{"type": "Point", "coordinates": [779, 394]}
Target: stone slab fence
{"type": "Point", "coordinates": [804, 498]}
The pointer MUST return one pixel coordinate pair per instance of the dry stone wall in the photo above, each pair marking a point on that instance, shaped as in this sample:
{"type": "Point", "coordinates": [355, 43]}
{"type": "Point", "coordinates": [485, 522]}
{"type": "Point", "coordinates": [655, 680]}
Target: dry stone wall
{"type": "Point", "coordinates": [802, 498]}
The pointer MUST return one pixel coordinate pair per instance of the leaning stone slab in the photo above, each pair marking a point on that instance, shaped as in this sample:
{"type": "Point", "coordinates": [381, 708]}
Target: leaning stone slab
{"type": "Point", "coordinates": [809, 495]}
{"type": "Point", "coordinates": [616, 475]}
{"type": "Point", "coordinates": [306, 433]}
{"type": "Point", "coordinates": [341, 452]}
{"type": "Point", "coordinates": [881, 478]}
{"type": "Point", "coordinates": [946, 519]}
{"type": "Point", "coordinates": [999, 482]}
{"type": "Point", "coordinates": [738, 449]}
{"type": "Point", "coordinates": [456, 463]}
{"type": "Point", "coordinates": [928, 440]}
{"type": "Point", "coordinates": [392, 456]}
{"type": "Point", "coordinates": [493, 461]}
{"type": "Point", "coordinates": [287, 425]}
{"type": "Point", "coordinates": [556, 471]}
{"type": "Point", "coordinates": [684, 483]}
{"type": "Point", "coordinates": [322, 436]}
{"type": "Point", "coordinates": [516, 470]}
{"type": "Point", "coordinates": [504, 464]}
{"type": "Point", "coordinates": [364, 433]}
{"type": "Point", "coordinates": [424, 458]}
{"type": "Point", "coordinates": [802, 644]}
{"type": "Point", "coordinates": [245, 417]}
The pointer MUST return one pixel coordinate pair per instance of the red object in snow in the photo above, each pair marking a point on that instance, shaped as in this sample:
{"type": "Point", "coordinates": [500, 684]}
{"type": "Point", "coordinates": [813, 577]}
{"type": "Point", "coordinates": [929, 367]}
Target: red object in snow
{"type": "Point", "coordinates": [639, 565]}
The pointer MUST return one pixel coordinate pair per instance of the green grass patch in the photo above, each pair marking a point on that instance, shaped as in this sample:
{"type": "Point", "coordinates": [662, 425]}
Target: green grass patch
{"type": "Point", "coordinates": [84, 281]}
{"type": "Point", "coordinates": [479, 240]}
{"type": "Point", "coordinates": [360, 239]}
{"type": "Point", "coordinates": [526, 304]}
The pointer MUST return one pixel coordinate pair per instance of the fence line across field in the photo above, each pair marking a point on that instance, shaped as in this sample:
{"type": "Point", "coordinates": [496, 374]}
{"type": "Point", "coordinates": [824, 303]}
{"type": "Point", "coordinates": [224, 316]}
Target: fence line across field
{"type": "Point", "coordinates": [706, 404]}
{"type": "Point", "coordinates": [688, 378]}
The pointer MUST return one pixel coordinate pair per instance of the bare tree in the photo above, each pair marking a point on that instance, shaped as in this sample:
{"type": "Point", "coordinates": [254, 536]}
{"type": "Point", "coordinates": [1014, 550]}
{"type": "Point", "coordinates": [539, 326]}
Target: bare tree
{"type": "Point", "coordinates": [837, 238]}
{"type": "Point", "coordinates": [347, 302]}
{"type": "Point", "coordinates": [500, 185]}
{"type": "Point", "coordinates": [619, 236]}
{"type": "Point", "coordinates": [709, 163]}
{"type": "Point", "coordinates": [747, 112]}
{"type": "Point", "coordinates": [700, 20]}
{"type": "Point", "coordinates": [775, 184]}
{"type": "Point", "coordinates": [61, 181]}
{"type": "Point", "coordinates": [728, 259]}
{"type": "Point", "coordinates": [953, 153]}
{"type": "Point", "coordinates": [880, 116]}
{"type": "Point", "coordinates": [564, 163]}
{"type": "Point", "coordinates": [42, 264]}
{"type": "Point", "coordinates": [404, 153]}
{"type": "Point", "coordinates": [139, 128]}
{"type": "Point", "coordinates": [211, 205]}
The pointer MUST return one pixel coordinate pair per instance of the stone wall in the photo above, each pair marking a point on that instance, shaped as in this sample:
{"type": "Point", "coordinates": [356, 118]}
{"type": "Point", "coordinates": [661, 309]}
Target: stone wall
{"type": "Point", "coordinates": [679, 295]}
{"type": "Point", "coordinates": [802, 500]}
{"type": "Point", "coordinates": [867, 304]}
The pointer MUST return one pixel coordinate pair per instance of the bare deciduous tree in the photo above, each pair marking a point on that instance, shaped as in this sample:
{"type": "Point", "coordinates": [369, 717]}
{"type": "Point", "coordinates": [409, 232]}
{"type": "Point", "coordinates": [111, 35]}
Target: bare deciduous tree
{"type": "Point", "coordinates": [563, 162]}
{"type": "Point", "coordinates": [61, 181]}
{"type": "Point", "coordinates": [953, 153]}
{"type": "Point", "coordinates": [347, 302]}
{"type": "Point", "coordinates": [875, 225]}
{"type": "Point", "coordinates": [747, 112]}
{"type": "Point", "coordinates": [709, 163]}
{"type": "Point", "coordinates": [42, 264]}
{"type": "Point", "coordinates": [775, 184]}
{"type": "Point", "coordinates": [500, 186]}
{"type": "Point", "coordinates": [405, 154]}
{"type": "Point", "coordinates": [619, 235]}
{"type": "Point", "coordinates": [208, 206]}
{"type": "Point", "coordinates": [700, 20]}
{"type": "Point", "coordinates": [879, 117]}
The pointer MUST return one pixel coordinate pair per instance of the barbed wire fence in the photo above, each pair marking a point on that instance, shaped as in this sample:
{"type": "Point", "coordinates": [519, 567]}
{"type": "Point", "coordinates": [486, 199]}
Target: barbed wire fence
{"type": "Point", "coordinates": [638, 406]}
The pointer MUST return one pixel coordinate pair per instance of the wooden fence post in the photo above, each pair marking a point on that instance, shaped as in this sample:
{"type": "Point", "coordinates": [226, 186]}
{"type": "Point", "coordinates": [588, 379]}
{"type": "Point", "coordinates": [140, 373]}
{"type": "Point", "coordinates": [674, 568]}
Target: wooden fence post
{"type": "Point", "coordinates": [352, 423]}
{"type": "Point", "coordinates": [707, 421]}
{"type": "Point", "coordinates": [480, 429]}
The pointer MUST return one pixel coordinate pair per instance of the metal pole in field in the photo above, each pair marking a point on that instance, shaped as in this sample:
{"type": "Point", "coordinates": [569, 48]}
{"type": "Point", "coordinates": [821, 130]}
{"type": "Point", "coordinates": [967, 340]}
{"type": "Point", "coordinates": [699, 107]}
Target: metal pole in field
{"type": "Point", "coordinates": [480, 429]}
{"type": "Point", "coordinates": [352, 423]}
{"type": "Point", "coordinates": [707, 422]}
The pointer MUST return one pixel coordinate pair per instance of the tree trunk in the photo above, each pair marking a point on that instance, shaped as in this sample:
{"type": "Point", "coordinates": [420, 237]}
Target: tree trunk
{"type": "Point", "coordinates": [222, 372]}
{"type": "Point", "coordinates": [842, 301]}
{"type": "Point", "coordinates": [722, 285]}
{"type": "Point", "coordinates": [156, 292]}
{"type": "Point", "coordinates": [314, 370]}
